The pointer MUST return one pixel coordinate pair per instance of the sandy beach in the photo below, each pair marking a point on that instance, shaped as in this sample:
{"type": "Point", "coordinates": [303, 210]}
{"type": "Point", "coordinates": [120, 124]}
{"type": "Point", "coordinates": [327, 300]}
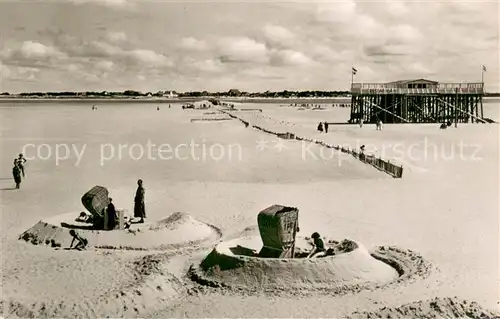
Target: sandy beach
{"type": "Point", "coordinates": [445, 209]}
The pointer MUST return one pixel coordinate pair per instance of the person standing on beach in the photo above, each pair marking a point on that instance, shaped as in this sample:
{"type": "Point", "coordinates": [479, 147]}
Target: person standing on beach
{"type": "Point", "coordinates": [16, 172]}
{"type": "Point", "coordinates": [20, 163]}
{"type": "Point", "coordinates": [326, 127]}
{"type": "Point", "coordinates": [111, 215]}
{"type": "Point", "coordinates": [139, 207]}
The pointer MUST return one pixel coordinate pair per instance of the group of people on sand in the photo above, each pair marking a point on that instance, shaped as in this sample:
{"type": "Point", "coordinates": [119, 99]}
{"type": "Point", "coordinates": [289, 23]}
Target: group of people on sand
{"type": "Point", "coordinates": [139, 212]}
{"type": "Point", "coordinates": [323, 127]}
{"type": "Point", "coordinates": [18, 171]}
{"type": "Point", "coordinates": [158, 108]}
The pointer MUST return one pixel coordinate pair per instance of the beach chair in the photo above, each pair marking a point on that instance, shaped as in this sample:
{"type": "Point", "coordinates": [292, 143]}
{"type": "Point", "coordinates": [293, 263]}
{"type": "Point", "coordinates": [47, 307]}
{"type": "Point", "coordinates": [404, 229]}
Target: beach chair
{"type": "Point", "coordinates": [96, 201]}
{"type": "Point", "coordinates": [278, 226]}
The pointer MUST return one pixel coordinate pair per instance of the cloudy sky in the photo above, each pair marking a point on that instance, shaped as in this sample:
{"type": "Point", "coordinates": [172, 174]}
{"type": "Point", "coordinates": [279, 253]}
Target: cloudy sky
{"type": "Point", "coordinates": [79, 45]}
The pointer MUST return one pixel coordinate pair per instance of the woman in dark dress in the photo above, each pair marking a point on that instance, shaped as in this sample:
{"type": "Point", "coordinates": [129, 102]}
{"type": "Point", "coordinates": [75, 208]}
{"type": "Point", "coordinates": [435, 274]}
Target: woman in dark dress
{"type": "Point", "coordinates": [16, 172]}
{"type": "Point", "coordinates": [139, 207]}
{"type": "Point", "coordinates": [111, 215]}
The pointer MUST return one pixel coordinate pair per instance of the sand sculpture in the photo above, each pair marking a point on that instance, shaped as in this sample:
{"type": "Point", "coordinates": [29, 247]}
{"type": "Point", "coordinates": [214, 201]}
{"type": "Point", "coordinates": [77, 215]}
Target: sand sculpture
{"type": "Point", "coordinates": [277, 261]}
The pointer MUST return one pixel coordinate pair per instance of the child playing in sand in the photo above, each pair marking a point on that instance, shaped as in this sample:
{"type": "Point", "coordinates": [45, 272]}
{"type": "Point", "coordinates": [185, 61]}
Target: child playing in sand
{"type": "Point", "coordinates": [81, 242]}
{"type": "Point", "coordinates": [319, 245]}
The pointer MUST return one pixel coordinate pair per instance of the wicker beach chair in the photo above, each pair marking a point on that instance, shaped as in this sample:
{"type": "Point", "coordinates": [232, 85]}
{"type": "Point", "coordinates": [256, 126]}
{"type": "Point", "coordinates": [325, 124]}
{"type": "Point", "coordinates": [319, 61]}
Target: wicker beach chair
{"type": "Point", "coordinates": [96, 201]}
{"type": "Point", "coordinates": [278, 226]}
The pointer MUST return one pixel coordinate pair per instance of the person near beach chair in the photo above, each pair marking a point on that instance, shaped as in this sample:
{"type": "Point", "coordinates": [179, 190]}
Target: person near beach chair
{"type": "Point", "coordinates": [325, 125]}
{"type": "Point", "coordinates": [139, 207]}
{"type": "Point", "coordinates": [320, 127]}
{"type": "Point", "coordinates": [111, 210]}
{"type": "Point", "coordinates": [81, 242]}
{"type": "Point", "coordinates": [319, 245]}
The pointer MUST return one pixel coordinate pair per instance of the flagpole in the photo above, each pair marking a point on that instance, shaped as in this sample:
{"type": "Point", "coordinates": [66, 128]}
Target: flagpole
{"type": "Point", "coordinates": [482, 75]}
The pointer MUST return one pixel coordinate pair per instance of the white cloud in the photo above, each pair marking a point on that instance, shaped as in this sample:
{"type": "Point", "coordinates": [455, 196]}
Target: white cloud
{"type": "Point", "coordinates": [395, 7]}
{"type": "Point", "coordinates": [243, 49]}
{"type": "Point", "coordinates": [404, 33]}
{"type": "Point", "coordinates": [116, 4]}
{"type": "Point", "coordinates": [209, 65]}
{"type": "Point", "coordinates": [194, 44]}
{"type": "Point", "coordinates": [104, 65]}
{"type": "Point", "coordinates": [116, 36]}
{"type": "Point", "coordinates": [4, 71]}
{"type": "Point", "coordinates": [91, 78]}
{"type": "Point", "coordinates": [291, 58]}
{"type": "Point", "coordinates": [35, 50]}
{"type": "Point", "coordinates": [72, 67]}
{"type": "Point", "coordinates": [27, 70]}
{"type": "Point", "coordinates": [335, 12]}
{"type": "Point", "coordinates": [278, 34]}
{"type": "Point", "coordinates": [148, 58]}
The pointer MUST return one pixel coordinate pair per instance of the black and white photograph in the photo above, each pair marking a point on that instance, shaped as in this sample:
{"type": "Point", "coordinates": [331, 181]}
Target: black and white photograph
{"type": "Point", "coordinates": [249, 159]}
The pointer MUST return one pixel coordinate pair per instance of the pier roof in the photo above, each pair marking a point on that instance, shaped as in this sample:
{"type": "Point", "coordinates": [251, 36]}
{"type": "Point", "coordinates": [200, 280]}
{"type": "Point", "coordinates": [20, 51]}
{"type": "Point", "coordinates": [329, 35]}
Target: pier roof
{"type": "Point", "coordinates": [413, 80]}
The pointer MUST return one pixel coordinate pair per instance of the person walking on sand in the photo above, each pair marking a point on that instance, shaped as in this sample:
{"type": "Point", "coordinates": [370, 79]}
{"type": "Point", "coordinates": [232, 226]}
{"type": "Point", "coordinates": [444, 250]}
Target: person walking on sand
{"type": "Point", "coordinates": [16, 173]}
{"type": "Point", "coordinates": [20, 162]}
{"type": "Point", "coordinates": [320, 127]}
{"type": "Point", "coordinates": [139, 207]}
{"type": "Point", "coordinates": [325, 125]}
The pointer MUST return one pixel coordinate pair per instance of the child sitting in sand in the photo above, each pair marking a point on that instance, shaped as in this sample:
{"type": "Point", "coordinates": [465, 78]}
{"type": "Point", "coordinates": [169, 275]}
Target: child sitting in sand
{"type": "Point", "coordinates": [81, 242]}
{"type": "Point", "coordinates": [319, 245]}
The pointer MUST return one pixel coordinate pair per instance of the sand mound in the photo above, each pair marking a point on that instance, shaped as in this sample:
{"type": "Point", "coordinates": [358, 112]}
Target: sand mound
{"type": "Point", "coordinates": [231, 265]}
{"type": "Point", "coordinates": [176, 231]}
{"type": "Point", "coordinates": [434, 308]}
{"type": "Point", "coordinates": [151, 290]}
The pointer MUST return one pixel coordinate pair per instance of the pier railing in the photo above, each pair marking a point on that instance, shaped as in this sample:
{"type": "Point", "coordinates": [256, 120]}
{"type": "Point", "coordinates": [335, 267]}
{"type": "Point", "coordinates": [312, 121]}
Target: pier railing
{"type": "Point", "coordinates": [441, 88]}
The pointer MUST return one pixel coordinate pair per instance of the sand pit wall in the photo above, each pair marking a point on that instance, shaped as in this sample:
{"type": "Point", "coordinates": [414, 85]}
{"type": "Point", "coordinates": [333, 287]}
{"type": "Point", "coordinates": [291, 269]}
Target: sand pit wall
{"type": "Point", "coordinates": [382, 165]}
{"type": "Point", "coordinates": [178, 231]}
{"type": "Point", "coordinates": [345, 273]}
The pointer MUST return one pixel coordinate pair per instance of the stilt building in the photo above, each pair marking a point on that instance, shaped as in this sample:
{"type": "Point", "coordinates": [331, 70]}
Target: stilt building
{"type": "Point", "coordinates": [417, 101]}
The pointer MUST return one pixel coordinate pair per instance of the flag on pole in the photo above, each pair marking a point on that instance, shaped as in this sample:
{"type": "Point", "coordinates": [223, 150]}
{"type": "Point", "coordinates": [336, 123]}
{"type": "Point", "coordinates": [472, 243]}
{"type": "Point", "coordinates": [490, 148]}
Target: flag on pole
{"type": "Point", "coordinates": [354, 71]}
{"type": "Point", "coordinates": [484, 68]}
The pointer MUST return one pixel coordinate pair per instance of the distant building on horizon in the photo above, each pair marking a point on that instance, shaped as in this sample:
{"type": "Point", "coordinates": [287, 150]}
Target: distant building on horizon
{"type": "Point", "coordinates": [170, 94]}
